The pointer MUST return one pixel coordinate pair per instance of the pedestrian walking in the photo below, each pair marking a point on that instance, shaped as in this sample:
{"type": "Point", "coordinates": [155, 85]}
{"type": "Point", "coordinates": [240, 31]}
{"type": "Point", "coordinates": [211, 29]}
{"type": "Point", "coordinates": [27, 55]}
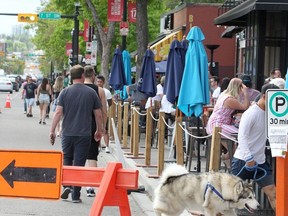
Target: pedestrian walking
{"type": "Point", "coordinates": [101, 82]}
{"type": "Point", "coordinates": [29, 92]}
{"type": "Point", "coordinates": [75, 105]}
{"type": "Point", "coordinates": [44, 93]}
{"type": "Point", "coordinates": [57, 88]}
{"type": "Point", "coordinates": [92, 156]}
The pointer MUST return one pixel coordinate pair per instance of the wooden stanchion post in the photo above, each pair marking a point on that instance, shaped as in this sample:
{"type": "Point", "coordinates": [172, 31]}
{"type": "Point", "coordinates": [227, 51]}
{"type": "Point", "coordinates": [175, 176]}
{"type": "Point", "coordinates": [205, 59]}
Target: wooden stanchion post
{"type": "Point", "coordinates": [179, 139]}
{"type": "Point", "coordinates": [112, 114]}
{"type": "Point", "coordinates": [136, 133]}
{"type": "Point", "coordinates": [125, 124]}
{"type": "Point", "coordinates": [161, 137]}
{"type": "Point", "coordinates": [119, 120]}
{"type": "Point", "coordinates": [132, 130]}
{"type": "Point", "coordinates": [215, 150]}
{"type": "Point", "coordinates": [148, 137]}
{"type": "Point", "coordinates": [281, 185]}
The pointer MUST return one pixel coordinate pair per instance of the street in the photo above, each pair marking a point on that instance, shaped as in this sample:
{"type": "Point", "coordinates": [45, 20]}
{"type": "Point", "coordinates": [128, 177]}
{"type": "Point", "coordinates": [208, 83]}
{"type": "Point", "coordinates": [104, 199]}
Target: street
{"type": "Point", "coordinates": [22, 133]}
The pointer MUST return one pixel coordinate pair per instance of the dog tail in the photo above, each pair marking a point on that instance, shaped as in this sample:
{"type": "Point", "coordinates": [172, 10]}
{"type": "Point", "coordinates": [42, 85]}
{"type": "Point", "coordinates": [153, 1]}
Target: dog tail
{"type": "Point", "coordinates": [172, 170]}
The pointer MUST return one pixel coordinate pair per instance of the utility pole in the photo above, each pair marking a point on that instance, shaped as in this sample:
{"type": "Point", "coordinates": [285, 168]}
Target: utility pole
{"type": "Point", "coordinates": [124, 19]}
{"type": "Point", "coordinates": [75, 36]}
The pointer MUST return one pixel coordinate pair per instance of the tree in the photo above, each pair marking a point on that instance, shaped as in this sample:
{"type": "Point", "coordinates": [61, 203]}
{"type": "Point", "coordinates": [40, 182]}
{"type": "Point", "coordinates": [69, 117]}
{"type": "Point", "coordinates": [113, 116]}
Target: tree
{"type": "Point", "coordinates": [105, 39]}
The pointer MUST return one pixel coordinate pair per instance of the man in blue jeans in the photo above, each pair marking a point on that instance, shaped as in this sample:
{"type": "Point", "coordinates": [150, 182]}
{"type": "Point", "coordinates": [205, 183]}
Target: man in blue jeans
{"type": "Point", "coordinates": [249, 160]}
{"type": "Point", "coordinates": [75, 105]}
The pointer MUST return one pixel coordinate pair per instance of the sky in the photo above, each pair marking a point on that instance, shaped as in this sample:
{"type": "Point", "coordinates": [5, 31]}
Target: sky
{"type": "Point", "coordinates": [15, 6]}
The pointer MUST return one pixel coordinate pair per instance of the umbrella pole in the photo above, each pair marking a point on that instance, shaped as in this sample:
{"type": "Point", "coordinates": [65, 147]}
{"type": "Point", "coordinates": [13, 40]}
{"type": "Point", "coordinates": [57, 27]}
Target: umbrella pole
{"type": "Point", "coordinates": [198, 142]}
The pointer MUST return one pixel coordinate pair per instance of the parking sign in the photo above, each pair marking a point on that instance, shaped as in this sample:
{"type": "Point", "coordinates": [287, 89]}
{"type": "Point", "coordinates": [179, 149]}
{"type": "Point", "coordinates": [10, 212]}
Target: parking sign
{"type": "Point", "coordinates": [277, 118]}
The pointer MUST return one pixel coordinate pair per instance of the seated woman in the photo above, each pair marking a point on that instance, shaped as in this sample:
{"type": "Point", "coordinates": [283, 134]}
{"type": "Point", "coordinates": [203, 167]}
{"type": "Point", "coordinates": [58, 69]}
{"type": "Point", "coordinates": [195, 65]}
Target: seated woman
{"type": "Point", "coordinates": [225, 106]}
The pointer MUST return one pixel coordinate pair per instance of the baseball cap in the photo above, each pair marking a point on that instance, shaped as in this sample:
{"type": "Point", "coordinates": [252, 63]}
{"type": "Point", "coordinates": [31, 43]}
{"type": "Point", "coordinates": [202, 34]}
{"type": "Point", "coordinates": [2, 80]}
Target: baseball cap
{"type": "Point", "coordinates": [246, 79]}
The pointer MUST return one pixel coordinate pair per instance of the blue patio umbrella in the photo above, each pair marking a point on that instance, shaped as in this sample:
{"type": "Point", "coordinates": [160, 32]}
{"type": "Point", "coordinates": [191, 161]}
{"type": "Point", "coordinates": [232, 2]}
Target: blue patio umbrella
{"type": "Point", "coordinates": [194, 90]}
{"type": "Point", "coordinates": [147, 80]}
{"type": "Point", "coordinates": [174, 71]}
{"type": "Point", "coordinates": [184, 44]}
{"type": "Point", "coordinates": [117, 76]}
{"type": "Point", "coordinates": [127, 66]}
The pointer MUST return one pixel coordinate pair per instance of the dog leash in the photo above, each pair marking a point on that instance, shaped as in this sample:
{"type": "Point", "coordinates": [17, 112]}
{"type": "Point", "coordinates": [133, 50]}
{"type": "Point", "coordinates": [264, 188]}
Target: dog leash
{"type": "Point", "coordinates": [213, 190]}
{"type": "Point", "coordinates": [254, 168]}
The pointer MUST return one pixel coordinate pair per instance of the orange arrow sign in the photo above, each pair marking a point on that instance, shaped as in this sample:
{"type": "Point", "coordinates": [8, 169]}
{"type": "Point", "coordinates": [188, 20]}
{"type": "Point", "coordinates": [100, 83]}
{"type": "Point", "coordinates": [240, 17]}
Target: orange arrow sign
{"type": "Point", "coordinates": [25, 173]}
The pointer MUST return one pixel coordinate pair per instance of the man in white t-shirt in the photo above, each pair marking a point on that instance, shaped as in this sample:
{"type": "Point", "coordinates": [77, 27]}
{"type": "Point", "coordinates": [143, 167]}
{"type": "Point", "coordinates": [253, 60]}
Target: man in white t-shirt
{"type": "Point", "coordinates": [249, 159]}
{"type": "Point", "coordinates": [214, 83]}
{"type": "Point", "coordinates": [159, 94]}
{"type": "Point", "coordinates": [100, 83]}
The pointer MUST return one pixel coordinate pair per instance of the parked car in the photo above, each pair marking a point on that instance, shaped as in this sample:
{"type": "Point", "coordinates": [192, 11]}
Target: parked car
{"type": "Point", "coordinates": [6, 85]}
{"type": "Point", "coordinates": [15, 83]}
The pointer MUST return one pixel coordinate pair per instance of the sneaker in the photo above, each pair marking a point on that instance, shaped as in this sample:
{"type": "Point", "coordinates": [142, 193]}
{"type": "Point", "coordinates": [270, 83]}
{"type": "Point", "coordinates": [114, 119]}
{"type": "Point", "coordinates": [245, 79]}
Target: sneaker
{"type": "Point", "coordinates": [65, 193]}
{"type": "Point", "coordinates": [44, 123]}
{"type": "Point", "coordinates": [90, 192]}
{"type": "Point", "coordinates": [77, 201]}
{"type": "Point", "coordinates": [107, 150]}
{"type": "Point", "coordinates": [40, 122]}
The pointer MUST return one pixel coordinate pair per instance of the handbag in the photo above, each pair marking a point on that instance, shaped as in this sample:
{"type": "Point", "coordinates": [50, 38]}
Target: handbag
{"type": "Point", "coordinates": [37, 103]}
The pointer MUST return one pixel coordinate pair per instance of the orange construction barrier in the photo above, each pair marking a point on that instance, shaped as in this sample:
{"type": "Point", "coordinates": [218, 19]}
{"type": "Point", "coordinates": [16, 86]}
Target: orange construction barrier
{"type": "Point", "coordinates": [281, 186]}
{"type": "Point", "coordinates": [8, 102]}
{"type": "Point", "coordinates": [113, 183]}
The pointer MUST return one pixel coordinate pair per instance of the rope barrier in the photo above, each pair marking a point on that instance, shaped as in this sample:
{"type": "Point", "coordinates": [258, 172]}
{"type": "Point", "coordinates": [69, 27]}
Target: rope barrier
{"type": "Point", "coordinates": [167, 123]}
{"type": "Point", "coordinates": [153, 117]}
{"type": "Point", "coordinates": [141, 114]}
{"type": "Point", "coordinates": [196, 137]}
{"type": "Point", "coordinates": [228, 137]}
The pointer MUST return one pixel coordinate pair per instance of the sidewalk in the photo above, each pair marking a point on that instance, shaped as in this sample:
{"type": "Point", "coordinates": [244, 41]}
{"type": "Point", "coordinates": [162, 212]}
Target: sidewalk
{"type": "Point", "coordinates": [145, 172]}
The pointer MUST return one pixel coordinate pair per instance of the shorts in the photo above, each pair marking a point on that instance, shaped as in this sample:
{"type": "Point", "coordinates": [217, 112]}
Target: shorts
{"type": "Point", "coordinates": [93, 150]}
{"type": "Point", "coordinates": [30, 101]}
{"type": "Point", "coordinates": [44, 99]}
{"type": "Point", "coordinates": [237, 165]}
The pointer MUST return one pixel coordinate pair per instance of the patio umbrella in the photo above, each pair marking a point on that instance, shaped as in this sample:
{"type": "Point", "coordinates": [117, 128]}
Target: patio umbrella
{"type": "Point", "coordinates": [117, 77]}
{"type": "Point", "coordinates": [147, 80]}
{"type": "Point", "coordinates": [174, 71]}
{"type": "Point", "coordinates": [184, 42]}
{"type": "Point", "coordinates": [127, 66]}
{"type": "Point", "coordinates": [194, 90]}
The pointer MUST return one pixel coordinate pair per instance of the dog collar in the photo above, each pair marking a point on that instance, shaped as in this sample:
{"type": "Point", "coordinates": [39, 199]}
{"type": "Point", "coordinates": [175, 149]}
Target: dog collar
{"type": "Point", "coordinates": [213, 190]}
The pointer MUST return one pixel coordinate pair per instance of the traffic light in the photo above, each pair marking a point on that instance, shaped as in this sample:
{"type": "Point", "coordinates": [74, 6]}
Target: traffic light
{"type": "Point", "coordinates": [30, 18]}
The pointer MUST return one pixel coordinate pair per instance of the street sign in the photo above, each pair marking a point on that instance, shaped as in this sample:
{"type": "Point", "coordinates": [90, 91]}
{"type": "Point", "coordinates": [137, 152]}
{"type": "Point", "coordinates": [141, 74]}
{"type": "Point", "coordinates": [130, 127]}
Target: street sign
{"type": "Point", "coordinates": [27, 173]}
{"type": "Point", "coordinates": [277, 119]}
{"type": "Point", "coordinates": [49, 15]}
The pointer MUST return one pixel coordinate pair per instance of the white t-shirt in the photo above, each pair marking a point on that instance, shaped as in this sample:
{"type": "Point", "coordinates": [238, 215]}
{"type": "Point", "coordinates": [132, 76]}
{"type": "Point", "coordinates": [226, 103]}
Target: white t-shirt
{"type": "Point", "coordinates": [251, 135]}
{"type": "Point", "coordinates": [216, 92]}
{"type": "Point", "coordinates": [108, 96]}
{"type": "Point", "coordinates": [158, 96]}
{"type": "Point", "coordinates": [166, 106]}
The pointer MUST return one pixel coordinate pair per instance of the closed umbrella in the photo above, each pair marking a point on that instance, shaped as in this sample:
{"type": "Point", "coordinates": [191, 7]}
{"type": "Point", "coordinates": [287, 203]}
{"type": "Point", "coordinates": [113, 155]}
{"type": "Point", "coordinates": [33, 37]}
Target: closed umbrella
{"type": "Point", "coordinates": [174, 71]}
{"type": "Point", "coordinates": [147, 80]}
{"type": "Point", "coordinates": [194, 90]}
{"type": "Point", "coordinates": [117, 77]}
{"type": "Point", "coordinates": [127, 66]}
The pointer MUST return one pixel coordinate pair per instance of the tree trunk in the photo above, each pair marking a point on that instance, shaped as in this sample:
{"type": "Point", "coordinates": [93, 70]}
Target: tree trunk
{"type": "Point", "coordinates": [141, 32]}
{"type": "Point", "coordinates": [105, 40]}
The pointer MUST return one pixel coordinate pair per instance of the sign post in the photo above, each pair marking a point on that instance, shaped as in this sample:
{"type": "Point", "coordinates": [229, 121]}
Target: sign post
{"type": "Point", "coordinates": [277, 121]}
{"type": "Point", "coordinates": [277, 132]}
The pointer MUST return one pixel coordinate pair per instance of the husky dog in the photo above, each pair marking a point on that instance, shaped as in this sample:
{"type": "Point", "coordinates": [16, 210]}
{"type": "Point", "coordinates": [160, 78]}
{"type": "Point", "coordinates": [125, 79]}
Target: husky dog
{"type": "Point", "coordinates": [211, 193]}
